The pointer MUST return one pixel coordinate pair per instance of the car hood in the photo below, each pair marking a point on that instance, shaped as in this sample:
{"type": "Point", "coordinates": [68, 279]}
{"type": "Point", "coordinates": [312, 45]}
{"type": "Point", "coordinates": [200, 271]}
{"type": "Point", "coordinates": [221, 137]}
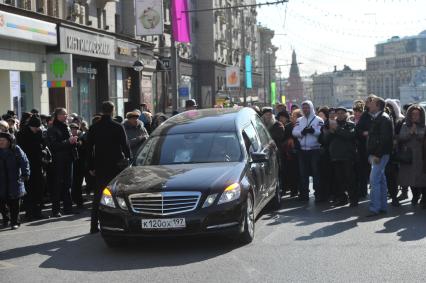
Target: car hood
{"type": "Point", "coordinates": [187, 177]}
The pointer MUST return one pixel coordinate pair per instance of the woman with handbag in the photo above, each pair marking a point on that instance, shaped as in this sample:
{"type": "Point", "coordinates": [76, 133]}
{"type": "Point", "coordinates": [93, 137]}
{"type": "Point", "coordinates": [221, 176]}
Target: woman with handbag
{"type": "Point", "coordinates": [410, 141]}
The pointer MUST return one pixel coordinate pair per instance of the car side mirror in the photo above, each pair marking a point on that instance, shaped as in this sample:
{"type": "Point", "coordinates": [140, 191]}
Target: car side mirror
{"type": "Point", "coordinates": [259, 157]}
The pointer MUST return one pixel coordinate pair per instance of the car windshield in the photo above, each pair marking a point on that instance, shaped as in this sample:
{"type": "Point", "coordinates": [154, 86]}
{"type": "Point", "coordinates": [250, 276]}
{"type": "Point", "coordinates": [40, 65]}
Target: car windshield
{"type": "Point", "coordinates": [190, 148]}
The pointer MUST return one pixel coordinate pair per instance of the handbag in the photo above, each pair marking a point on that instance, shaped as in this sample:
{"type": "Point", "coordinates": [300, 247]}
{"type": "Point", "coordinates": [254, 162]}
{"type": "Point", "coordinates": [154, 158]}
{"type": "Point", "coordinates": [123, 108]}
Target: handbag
{"type": "Point", "coordinates": [404, 155]}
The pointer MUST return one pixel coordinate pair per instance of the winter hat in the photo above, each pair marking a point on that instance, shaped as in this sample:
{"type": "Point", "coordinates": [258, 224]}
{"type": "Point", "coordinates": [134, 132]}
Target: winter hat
{"type": "Point", "coordinates": [7, 136]}
{"type": "Point", "coordinates": [266, 110]}
{"type": "Point", "coordinates": [284, 114]}
{"type": "Point", "coordinates": [4, 124]}
{"type": "Point", "coordinates": [34, 122]}
{"type": "Point", "coordinates": [74, 126]}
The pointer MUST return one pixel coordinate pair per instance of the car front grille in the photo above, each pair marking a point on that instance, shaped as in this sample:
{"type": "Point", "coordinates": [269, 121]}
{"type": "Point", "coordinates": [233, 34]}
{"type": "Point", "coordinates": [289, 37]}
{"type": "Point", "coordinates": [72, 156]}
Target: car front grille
{"type": "Point", "coordinates": [164, 203]}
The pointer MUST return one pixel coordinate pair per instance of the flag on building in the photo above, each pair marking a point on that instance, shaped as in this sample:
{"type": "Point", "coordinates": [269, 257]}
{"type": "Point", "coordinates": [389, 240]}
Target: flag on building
{"type": "Point", "coordinates": [180, 21]}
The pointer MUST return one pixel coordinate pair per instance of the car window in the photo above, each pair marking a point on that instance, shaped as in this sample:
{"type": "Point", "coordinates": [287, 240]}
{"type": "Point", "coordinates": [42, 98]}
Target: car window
{"type": "Point", "coordinates": [261, 131]}
{"type": "Point", "coordinates": [252, 136]}
{"type": "Point", "coordinates": [190, 148]}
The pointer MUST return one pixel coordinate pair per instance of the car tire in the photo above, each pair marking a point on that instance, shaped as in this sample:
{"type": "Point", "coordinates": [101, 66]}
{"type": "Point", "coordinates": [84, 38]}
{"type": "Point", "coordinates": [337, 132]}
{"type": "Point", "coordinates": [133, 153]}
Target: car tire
{"type": "Point", "coordinates": [247, 235]}
{"type": "Point", "coordinates": [113, 242]}
{"type": "Point", "coordinates": [276, 201]}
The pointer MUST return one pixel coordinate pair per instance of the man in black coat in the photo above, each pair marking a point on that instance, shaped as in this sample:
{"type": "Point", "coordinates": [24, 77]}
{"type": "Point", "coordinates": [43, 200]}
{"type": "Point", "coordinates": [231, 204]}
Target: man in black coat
{"type": "Point", "coordinates": [340, 139]}
{"type": "Point", "coordinates": [107, 149]}
{"type": "Point", "coordinates": [64, 151]}
{"type": "Point", "coordinates": [31, 141]}
{"type": "Point", "coordinates": [362, 167]}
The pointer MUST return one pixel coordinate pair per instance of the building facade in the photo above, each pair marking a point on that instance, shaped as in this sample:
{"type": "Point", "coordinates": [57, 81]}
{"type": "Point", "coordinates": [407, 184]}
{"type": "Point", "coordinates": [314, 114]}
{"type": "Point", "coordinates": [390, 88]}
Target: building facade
{"type": "Point", "coordinates": [101, 47]}
{"type": "Point", "coordinates": [415, 91]}
{"type": "Point", "coordinates": [395, 63]}
{"type": "Point", "coordinates": [266, 54]}
{"type": "Point", "coordinates": [339, 88]}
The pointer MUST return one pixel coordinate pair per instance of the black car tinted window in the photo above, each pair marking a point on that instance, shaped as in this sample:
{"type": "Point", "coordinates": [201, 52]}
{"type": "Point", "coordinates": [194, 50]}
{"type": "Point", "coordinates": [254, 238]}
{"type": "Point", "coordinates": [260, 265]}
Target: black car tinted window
{"type": "Point", "coordinates": [261, 130]}
{"type": "Point", "coordinates": [251, 134]}
{"type": "Point", "coordinates": [190, 148]}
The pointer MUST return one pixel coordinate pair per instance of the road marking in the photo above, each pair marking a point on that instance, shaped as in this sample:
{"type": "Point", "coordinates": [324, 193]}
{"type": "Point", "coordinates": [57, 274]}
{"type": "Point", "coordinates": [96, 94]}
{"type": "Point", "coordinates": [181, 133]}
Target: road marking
{"type": "Point", "coordinates": [6, 265]}
{"type": "Point", "coordinates": [41, 230]}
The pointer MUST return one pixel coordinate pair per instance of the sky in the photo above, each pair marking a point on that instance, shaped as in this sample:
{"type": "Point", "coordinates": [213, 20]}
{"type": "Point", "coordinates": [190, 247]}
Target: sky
{"type": "Point", "coordinates": [328, 33]}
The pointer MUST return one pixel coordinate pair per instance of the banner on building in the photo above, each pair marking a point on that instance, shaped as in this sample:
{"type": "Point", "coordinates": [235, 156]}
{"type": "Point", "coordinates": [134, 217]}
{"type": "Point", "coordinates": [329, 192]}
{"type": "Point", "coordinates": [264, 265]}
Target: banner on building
{"type": "Point", "coordinates": [59, 70]}
{"type": "Point", "coordinates": [249, 80]}
{"type": "Point", "coordinates": [149, 17]}
{"type": "Point", "coordinates": [273, 93]}
{"type": "Point", "coordinates": [232, 76]}
{"type": "Point", "coordinates": [180, 21]}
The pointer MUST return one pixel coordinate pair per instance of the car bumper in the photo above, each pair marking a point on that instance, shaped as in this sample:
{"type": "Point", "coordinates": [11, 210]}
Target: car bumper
{"type": "Point", "coordinates": [226, 218]}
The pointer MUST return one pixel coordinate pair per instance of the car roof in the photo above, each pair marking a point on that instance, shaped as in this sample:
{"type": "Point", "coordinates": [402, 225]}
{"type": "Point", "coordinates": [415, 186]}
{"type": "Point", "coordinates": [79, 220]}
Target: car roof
{"type": "Point", "coordinates": [206, 121]}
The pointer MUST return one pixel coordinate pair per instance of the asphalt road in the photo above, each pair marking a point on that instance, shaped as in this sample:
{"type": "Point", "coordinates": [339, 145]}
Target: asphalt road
{"type": "Point", "coordinates": [296, 244]}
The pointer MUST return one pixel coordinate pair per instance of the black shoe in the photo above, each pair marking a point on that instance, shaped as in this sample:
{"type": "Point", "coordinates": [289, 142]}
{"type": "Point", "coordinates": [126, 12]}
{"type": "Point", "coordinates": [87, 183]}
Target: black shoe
{"type": "Point", "coordinates": [353, 204]}
{"type": "Point", "coordinates": [372, 214]}
{"type": "Point", "coordinates": [383, 212]}
{"type": "Point", "coordinates": [403, 196]}
{"type": "Point", "coordinates": [303, 199]}
{"type": "Point", "coordinates": [395, 203]}
{"type": "Point", "coordinates": [56, 215]}
{"type": "Point", "coordinates": [340, 203]}
{"type": "Point", "coordinates": [5, 223]}
{"type": "Point", "coordinates": [94, 230]}
{"type": "Point", "coordinates": [415, 201]}
{"type": "Point", "coordinates": [15, 227]}
{"type": "Point", "coordinates": [293, 194]}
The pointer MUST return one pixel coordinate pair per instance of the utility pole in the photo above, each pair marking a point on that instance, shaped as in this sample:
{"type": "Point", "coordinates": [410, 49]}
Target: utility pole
{"type": "Point", "coordinates": [244, 51]}
{"type": "Point", "coordinates": [174, 68]}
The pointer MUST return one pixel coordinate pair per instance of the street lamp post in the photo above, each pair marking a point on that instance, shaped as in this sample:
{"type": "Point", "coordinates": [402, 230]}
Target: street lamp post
{"type": "Point", "coordinates": [269, 52]}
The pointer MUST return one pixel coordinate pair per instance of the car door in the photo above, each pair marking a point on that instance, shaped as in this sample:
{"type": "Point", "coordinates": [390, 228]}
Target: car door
{"type": "Point", "coordinates": [252, 144]}
{"type": "Point", "coordinates": [269, 147]}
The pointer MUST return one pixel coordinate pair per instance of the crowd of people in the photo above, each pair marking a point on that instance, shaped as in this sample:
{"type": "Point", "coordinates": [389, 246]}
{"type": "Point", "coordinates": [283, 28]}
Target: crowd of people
{"type": "Point", "coordinates": [47, 158]}
{"type": "Point", "coordinates": [375, 145]}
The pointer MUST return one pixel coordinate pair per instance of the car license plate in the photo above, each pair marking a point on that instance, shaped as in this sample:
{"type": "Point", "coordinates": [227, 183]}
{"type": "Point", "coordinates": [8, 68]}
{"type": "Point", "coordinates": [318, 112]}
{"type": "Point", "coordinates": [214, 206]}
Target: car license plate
{"type": "Point", "coordinates": [161, 224]}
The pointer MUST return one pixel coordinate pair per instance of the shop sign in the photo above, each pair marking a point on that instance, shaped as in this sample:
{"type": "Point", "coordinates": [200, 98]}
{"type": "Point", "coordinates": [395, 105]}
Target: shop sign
{"type": "Point", "coordinates": [86, 44]}
{"type": "Point", "coordinates": [59, 70]}
{"type": "Point", "coordinates": [149, 17]}
{"type": "Point", "coordinates": [86, 70]}
{"type": "Point", "coordinates": [125, 50]}
{"type": "Point", "coordinates": [232, 76]}
{"type": "Point", "coordinates": [19, 27]}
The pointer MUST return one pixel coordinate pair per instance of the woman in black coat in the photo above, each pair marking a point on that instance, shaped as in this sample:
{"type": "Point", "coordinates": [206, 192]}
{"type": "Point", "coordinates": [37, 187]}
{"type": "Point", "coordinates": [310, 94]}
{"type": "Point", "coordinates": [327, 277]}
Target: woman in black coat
{"type": "Point", "coordinates": [14, 170]}
{"type": "Point", "coordinates": [31, 141]}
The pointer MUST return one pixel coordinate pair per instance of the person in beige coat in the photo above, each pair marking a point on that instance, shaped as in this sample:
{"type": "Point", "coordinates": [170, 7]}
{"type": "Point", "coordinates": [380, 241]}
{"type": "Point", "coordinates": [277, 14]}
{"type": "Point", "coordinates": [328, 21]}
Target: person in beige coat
{"type": "Point", "coordinates": [412, 136]}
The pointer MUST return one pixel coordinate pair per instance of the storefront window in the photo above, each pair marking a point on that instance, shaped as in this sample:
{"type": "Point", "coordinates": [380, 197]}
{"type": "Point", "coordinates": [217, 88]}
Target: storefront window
{"type": "Point", "coordinates": [27, 99]}
{"type": "Point", "coordinates": [120, 84]}
{"type": "Point", "coordinates": [83, 100]}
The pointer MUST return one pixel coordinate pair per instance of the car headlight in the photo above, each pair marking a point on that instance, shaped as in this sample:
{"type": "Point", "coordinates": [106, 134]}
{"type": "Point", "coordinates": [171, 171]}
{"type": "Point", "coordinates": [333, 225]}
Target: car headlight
{"type": "Point", "coordinates": [122, 203]}
{"type": "Point", "coordinates": [209, 200]}
{"type": "Point", "coordinates": [107, 199]}
{"type": "Point", "coordinates": [231, 193]}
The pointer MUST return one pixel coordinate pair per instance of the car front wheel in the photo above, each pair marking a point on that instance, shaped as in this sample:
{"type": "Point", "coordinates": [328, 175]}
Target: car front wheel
{"type": "Point", "coordinates": [247, 235]}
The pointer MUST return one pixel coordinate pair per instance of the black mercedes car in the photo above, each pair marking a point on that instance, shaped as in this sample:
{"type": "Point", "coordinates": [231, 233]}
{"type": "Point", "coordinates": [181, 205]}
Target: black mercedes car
{"type": "Point", "coordinates": [202, 171]}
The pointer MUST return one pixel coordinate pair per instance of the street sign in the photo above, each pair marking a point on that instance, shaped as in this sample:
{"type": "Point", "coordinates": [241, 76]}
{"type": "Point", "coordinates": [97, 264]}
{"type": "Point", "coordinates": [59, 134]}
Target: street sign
{"type": "Point", "coordinates": [166, 63]}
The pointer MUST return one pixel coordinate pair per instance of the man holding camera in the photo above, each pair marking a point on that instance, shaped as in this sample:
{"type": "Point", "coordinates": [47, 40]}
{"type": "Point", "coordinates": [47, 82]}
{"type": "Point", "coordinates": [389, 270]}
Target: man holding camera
{"type": "Point", "coordinates": [307, 130]}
